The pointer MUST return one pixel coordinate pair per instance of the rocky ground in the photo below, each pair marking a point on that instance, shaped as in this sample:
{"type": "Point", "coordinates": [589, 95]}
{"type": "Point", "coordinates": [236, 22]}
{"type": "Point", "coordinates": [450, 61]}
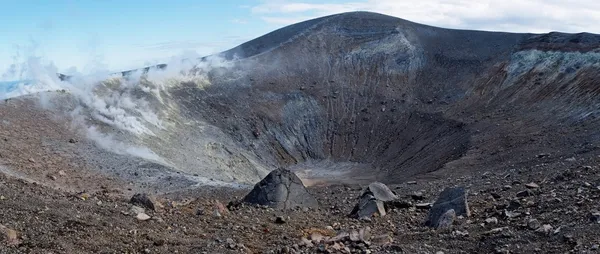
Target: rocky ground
{"type": "Point", "coordinates": [547, 208]}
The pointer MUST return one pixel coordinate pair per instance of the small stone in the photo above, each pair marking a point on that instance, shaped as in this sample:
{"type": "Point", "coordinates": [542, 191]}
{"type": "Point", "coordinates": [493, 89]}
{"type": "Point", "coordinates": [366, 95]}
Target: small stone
{"type": "Point", "coordinates": [329, 228]}
{"type": "Point", "coordinates": [595, 217]}
{"type": "Point", "coordinates": [137, 210]}
{"type": "Point", "coordinates": [532, 185]}
{"type": "Point", "coordinates": [423, 206]}
{"type": "Point", "coordinates": [72, 141]}
{"type": "Point", "coordinates": [364, 234]}
{"type": "Point", "coordinates": [142, 217]}
{"type": "Point", "coordinates": [316, 237]}
{"type": "Point", "coordinates": [221, 208]}
{"type": "Point", "coordinates": [384, 239]}
{"type": "Point", "coordinates": [439, 252]}
{"type": "Point", "coordinates": [595, 247]}
{"type": "Point", "coordinates": [337, 247]}
{"type": "Point", "coordinates": [280, 220]}
{"type": "Point", "coordinates": [461, 233]}
{"type": "Point", "coordinates": [510, 214]}
{"type": "Point", "coordinates": [411, 182]}
{"type": "Point", "coordinates": [305, 242]}
{"type": "Point", "coordinates": [533, 224]}
{"type": "Point", "coordinates": [492, 220]}
{"type": "Point", "coordinates": [546, 229]}
{"type": "Point", "coordinates": [2, 197]}
{"type": "Point", "coordinates": [494, 231]}
{"type": "Point", "coordinates": [418, 196]}
{"type": "Point", "coordinates": [31, 160]}
{"type": "Point", "coordinates": [62, 173]}
{"type": "Point", "coordinates": [506, 187]}
{"type": "Point", "coordinates": [11, 236]}
{"type": "Point", "coordinates": [525, 193]}
{"type": "Point", "coordinates": [514, 205]}
{"type": "Point", "coordinates": [571, 159]}
{"type": "Point", "coordinates": [354, 236]}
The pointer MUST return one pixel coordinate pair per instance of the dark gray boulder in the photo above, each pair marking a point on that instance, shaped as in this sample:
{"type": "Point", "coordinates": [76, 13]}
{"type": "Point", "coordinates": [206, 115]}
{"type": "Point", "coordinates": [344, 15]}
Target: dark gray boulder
{"type": "Point", "coordinates": [372, 201]}
{"type": "Point", "coordinates": [143, 200]}
{"type": "Point", "coordinates": [281, 189]}
{"type": "Point", "coordinates": [450, 199]}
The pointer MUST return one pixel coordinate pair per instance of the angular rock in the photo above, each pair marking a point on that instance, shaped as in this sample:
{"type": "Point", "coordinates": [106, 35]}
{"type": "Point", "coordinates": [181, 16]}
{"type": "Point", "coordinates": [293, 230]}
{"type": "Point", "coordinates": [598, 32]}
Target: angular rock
{"type": "Point", "coordinates": [450, 199]}
{"type": "Point", "coordinates": [492, 220]}
{"type": "Point", "coordinates": [525, 193]}
{"type": "Point", "coordinates": [341, 237]}
{"type": "Point", "coordinates": [417, 196]}
{"type": "Point", "coordinates": [281, 189]}
{"type": "Point", "coordinates": [220, 208]}
{"type": "Point", "coordinates": [372, 201]}
{"type": "Point", "coordinates": [384, 239]}
{"type": "Point", "coordinates": [423, 206]}
{"type": "Point", "coordinates": [142, 216]}
{"type": "Point", "coordinates": [534, 224]}
{"type": "Point", "coordinates": [354, 236]}
{"type": "Point", "coordinates": [545, 229]}
{"type": "Point", "coordinates": [446, 220]}
{"type": "Point", "coordinates": [381, 192]}
{"type": "Point", "coordinates": [143, 200]}
{"type": "Point", "coordinates": [595, 216]}
{"type": "Point", "coordinates": [137, 210]}
{"type": "Point", "coordinates": [280, 220]}
{"type": "Point", "coordinates": [364, 234]}
{"type": "Point", "coordinates": [532, 185]}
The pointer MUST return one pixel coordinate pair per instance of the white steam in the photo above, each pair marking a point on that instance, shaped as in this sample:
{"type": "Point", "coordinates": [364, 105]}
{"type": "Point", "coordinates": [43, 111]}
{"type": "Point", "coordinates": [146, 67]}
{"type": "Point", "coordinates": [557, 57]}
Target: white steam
{"type": "Point", "coordinates": [107, 98]}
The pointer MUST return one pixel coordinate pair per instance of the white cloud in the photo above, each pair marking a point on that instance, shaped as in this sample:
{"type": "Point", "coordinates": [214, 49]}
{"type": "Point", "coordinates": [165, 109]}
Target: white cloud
{"type": "Point", "coordinates": [508, 15]}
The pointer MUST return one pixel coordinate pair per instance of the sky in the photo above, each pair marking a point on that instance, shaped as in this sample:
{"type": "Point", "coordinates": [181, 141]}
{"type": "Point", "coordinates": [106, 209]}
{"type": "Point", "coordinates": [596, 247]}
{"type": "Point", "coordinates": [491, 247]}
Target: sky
{"type": "Point", "coordinates": [87, 35]}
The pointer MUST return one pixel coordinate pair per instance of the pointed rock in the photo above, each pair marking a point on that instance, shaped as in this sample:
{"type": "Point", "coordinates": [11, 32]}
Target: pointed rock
{"type": "Point", "coordinates": [450, 199]}
{"type": "Point", "coordinates": [281, 189]}
{"type": "Point", "coordinates": [143, 200]}
{"type": "Point", "coordinates": [446, 220]}
{"type": "Point", "coordinates": [372, 201]}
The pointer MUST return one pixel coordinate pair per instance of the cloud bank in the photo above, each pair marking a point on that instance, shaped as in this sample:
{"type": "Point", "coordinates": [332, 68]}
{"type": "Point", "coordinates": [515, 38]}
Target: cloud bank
{"type": "Point", "coordinates": [535, 16]}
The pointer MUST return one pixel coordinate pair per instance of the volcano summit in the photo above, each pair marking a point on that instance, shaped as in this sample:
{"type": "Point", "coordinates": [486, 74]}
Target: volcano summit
{"type": "Point", "coordinates": [342, 100]}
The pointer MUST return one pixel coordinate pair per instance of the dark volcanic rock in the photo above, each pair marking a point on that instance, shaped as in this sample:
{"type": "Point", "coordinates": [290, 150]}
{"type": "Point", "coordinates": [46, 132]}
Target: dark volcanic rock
{"type": "Point", "coordinates": [372, 201]}
{"type": "Point", "coordinates": [143, 200]}
{"type": "Point", "coordinates": [281, 189]}
{"type": "Point", "coordinates": [450, 199]}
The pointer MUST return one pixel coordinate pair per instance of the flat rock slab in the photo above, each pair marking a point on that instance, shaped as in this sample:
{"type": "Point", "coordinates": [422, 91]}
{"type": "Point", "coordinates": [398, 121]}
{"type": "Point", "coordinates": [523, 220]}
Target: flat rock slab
{"type": "Point", "coordinates": [281, 189]}
{"type": "Point", "coordinates": [381, 192]}
{"type": "Point", "coordinates": [450, 199]}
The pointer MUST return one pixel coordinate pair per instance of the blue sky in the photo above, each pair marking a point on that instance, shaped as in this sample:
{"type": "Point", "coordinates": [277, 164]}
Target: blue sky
{"type": "Point", "coordinates": [91, 34]}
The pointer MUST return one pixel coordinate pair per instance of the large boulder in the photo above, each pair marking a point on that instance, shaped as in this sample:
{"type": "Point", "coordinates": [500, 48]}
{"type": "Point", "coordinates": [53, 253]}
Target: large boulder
{"type": "Point", "coordinates": [372, 201]}
{"type": "Point", "coordinates": [281, 189]}
{"type": "Point", "coordinates": [450, 199]}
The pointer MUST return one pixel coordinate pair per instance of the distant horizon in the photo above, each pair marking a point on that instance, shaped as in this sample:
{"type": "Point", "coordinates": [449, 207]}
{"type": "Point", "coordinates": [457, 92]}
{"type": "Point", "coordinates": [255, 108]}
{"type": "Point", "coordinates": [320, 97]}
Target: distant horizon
{"type": "Point", "coordinates": [109, 35]}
